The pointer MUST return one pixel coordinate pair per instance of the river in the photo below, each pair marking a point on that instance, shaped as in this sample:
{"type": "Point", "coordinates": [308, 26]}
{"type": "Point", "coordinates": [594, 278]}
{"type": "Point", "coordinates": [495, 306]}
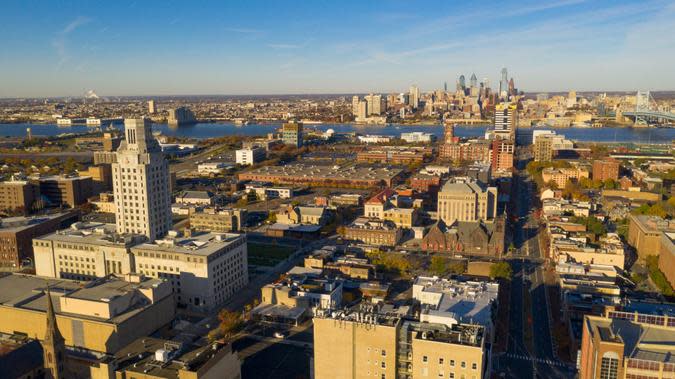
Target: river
{"type": "Point", "coordinates": [209, 130]}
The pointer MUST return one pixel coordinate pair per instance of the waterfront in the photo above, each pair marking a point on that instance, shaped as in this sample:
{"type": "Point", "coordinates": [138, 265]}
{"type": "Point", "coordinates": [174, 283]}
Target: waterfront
{"type": "Point", "coordinates": [210, 130]}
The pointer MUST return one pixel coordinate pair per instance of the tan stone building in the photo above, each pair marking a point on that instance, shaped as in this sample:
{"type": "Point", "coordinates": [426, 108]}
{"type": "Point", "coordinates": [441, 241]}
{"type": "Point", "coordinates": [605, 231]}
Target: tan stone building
{"type": "Point", "coordinates": [644, 233]}
{"type": "Point", "coordinates": [381, 344]}
{"type": "Point", "coordinates": [543, 148]}
{"type": "Point", "coordinates": [560, 176]}
{"type": "Point", "coordinates": [626, 345]}
{"type": "Point", "coordinates": [101, 176]}
{"type": "Point", "coordinates": [374, 232]}
{"type": "Point", "coordinates": [214, 219]}
{"type": "Point", "coordinates": [99, 317]}
{"type": "Point", "coordinates": [667, 257]}
{"type": "Point", "coordinates": [466, 201]}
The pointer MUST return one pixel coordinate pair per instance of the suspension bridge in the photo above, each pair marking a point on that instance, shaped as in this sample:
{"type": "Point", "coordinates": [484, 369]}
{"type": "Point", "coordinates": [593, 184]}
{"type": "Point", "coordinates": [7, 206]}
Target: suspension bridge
{"type": "Point", "coordinates": [646, 110]}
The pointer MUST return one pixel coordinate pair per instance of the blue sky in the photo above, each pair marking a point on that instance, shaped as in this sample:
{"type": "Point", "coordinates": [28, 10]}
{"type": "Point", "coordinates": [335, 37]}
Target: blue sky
{"type": "Point", "coordinates": [63, 48]}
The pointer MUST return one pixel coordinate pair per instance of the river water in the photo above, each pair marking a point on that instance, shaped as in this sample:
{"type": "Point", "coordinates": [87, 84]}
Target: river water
{"type": "Point", "coordinates": [209, 130]}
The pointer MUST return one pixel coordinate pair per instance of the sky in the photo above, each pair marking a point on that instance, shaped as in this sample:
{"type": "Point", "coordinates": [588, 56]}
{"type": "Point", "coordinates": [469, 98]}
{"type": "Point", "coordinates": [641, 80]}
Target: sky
{"type": "Point", "coordinates": [152, 47]}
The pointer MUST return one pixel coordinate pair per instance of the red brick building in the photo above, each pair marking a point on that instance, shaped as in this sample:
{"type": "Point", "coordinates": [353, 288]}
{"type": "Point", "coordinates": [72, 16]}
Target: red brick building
{"type": "Point", "coordinates": [604, 169]}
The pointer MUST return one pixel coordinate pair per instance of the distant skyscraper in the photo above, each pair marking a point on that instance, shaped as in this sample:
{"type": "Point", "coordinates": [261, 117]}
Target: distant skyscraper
{"type": "Point", "coordinates": [376, 104]}
{"type": "Point", "coordinates": [362, 110]}
{"type": "Point", "coordinates": [141, 183]}
{"type": "Point", "coordinates": [355, 105]}
{"type": "Point", "coordinates": [504, 83]}
{"type": "Point", "coordinates": [414, 97]}
{"type": "Point", "coordinates": [462, 82]}
{"type": "Point", "coordinates": [445, 86]}
{"type": "Point", "coordinates": [473, 82]}
{"type": "Point", "coordinates": [512, 87]}
{"type": "Point", "coordinates": [151, 107]}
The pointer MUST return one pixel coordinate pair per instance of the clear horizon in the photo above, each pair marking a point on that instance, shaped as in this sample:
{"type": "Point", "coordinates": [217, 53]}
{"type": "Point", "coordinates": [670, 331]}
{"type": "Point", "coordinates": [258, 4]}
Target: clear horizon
{"type": "Point", "coordinates": [297, 48]}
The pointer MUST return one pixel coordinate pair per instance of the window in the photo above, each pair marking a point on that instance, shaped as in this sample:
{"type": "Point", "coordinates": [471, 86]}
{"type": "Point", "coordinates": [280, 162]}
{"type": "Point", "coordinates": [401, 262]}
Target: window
{"type": "Point", "coordinates": [463, 364]}
{"type": "Point", "coordinates": [384, 353]}
{"type": "Point", "coordinates": [609, 365]}
{"type": "Point", "coordinates": [452, 362]}
{"type": "Point", "coordinates": [440, 361]}
{"type": "Point", "coordinates": [474, 366]}
{"type": "Point", "coordinates": [384, 365]}
{"type": "Point", "coordinates": [425, 358]}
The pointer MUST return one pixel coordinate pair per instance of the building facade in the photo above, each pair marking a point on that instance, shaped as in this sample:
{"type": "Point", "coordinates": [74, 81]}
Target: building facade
{"type": "Point", "coordinates": [247, 157]}
{"type": "Point", "coordinates": [18, 194]}
{"type": "Point", "coordinates": [466, 201]}
{"type": "Point", "coordinates": [605, 169]}
{"type": "Point", "coordinates": [141, 183]}
{"type": "Point", "coordinates": [292, 133]}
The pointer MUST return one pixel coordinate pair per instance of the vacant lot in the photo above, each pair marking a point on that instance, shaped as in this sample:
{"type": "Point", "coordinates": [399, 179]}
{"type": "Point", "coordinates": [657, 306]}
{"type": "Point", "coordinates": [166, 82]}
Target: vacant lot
{"type": "Point", "coordinates": [266, 254]}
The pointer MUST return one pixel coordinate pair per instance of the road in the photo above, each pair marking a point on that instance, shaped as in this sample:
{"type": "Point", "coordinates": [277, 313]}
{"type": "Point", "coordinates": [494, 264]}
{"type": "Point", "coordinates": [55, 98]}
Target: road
{"type": "Point", "coordinates": [530, 351]}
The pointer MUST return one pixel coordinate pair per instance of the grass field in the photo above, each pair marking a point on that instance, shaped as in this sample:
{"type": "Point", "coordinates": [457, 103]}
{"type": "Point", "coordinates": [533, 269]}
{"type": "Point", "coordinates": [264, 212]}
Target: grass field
{"type": "Point", "coordinates": [267, 255]}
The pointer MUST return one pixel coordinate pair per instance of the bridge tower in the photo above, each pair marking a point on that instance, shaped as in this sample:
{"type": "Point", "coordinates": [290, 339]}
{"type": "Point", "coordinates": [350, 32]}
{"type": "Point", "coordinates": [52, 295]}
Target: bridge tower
{"type": "Point", "coordinates": [644, 103]}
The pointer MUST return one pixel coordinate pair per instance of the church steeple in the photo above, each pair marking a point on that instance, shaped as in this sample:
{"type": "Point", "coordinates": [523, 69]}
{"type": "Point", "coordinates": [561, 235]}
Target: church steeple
{"type": "Point", "coordinates": [53, 346]}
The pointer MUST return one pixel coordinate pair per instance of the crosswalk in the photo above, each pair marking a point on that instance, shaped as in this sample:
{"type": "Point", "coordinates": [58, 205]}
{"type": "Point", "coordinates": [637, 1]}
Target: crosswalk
{"type": "Point", "coordinates": [537, 360]}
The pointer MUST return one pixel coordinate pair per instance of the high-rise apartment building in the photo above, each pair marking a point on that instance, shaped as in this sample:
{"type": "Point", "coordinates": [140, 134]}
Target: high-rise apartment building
{"type": "Point", "coordinates": [141, 183]}
{"type": "Point", "coordinates": [466, 200]}
{"type": "Point", "coordinates": [376, 104]}
{"type": "Point", "coordinates": [502, 154]}
{"type": "Point", "coordinates": [151, 107]}
{"type": "Point", "coordinates": [506, 120]}
{"type": "Point", "coordinates": [380, 342]}
{"type": "Point", "coordinates": [355, 105]}
{"type": "Point", "coordinates": [414, 97]}
{"type": "Point", "coordinates": [292, 133]}
{"type": "Point", "coordinates": [181, 115]}
{"type": "Point", "coordinates": [362, 110]}
{"type": "Point", "coordinates": [543, 148]}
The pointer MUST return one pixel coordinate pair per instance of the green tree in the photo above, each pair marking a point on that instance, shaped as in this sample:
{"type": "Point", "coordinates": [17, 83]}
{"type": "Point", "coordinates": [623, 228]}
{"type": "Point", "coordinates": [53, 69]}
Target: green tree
{"type": "Point", "coordinates": [501, 270]}
{"type": "Point", "coordinates": [439, 265]}
{"type": "Point", "coordinates": [230, 324]}
{"type": "Point", "coordinates": [610, 184]}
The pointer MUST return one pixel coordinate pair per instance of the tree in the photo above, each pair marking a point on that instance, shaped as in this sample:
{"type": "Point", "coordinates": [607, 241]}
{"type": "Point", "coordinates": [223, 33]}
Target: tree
{"type": "Point", "coordinates": [272, 217]}
{"type": "Point", "coordinates": [230, 323]}
{"type": "Point", "coordinates": [501, 270]}
{"type": "Point", "coordinates": [439, 265]}
{"type": "Point", "coordinates": [609, 184]}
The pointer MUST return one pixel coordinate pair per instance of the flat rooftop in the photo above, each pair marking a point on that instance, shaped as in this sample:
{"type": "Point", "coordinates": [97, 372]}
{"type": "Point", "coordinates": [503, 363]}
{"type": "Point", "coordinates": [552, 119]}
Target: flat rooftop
{"type": "Point", "coordinates": [29, 292]}
{"type": "Point", "coordinates": [139, 357]}
{"type": "Point", "coordinates": [199, 243]}
{"type": "Point", "coordinates": [465, 301]}
{"type": "Point", "coordinates": [95, 233]}
{"type": "Point", "coordinates": [16, 224]}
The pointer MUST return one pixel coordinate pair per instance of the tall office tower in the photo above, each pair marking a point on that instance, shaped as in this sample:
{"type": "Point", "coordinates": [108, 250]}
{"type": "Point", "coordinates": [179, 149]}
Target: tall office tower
{"type": "Point", "coordinates": [414, 97]}
{"type": "Point", "coordinates": [141, 183]}
{"type": "Point", "coordinates": [473, 82]}
{"type": "Point", "coordinates": [512, 87]}
{"type": "Point", "coordinates": [151, 107]}
{"type": "Point", "coordinates": [292, 133]}
{"type": "Point", "coordinates": [504, 83]}
{"type": "Point", "coordinates": [461, 83]}
{"type": "Point", "coordinates": [445, 86]}
{"type": "Point", "coordinates": [355, 105]}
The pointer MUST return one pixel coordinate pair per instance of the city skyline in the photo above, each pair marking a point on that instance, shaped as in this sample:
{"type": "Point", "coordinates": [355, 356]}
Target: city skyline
{"type": "Point", "coordinates": [140, 49]}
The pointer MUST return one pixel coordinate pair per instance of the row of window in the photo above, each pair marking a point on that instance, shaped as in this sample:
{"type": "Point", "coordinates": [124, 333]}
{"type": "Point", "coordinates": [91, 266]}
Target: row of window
{"type": "Point", "coordinates": [474, 366]}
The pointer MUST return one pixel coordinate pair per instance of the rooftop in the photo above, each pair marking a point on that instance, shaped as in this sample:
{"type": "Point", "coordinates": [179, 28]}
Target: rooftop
{"type": "Point", "coordinates": [141, 356]}
{"type": "Point", "coordinates": [16, 224]}
{"type": "Point", "coordinates": [463, 301]}
{"type": "Point", "coordinates": [29, 292]}
{"type": "Point", "coordinates": [198, 243]}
